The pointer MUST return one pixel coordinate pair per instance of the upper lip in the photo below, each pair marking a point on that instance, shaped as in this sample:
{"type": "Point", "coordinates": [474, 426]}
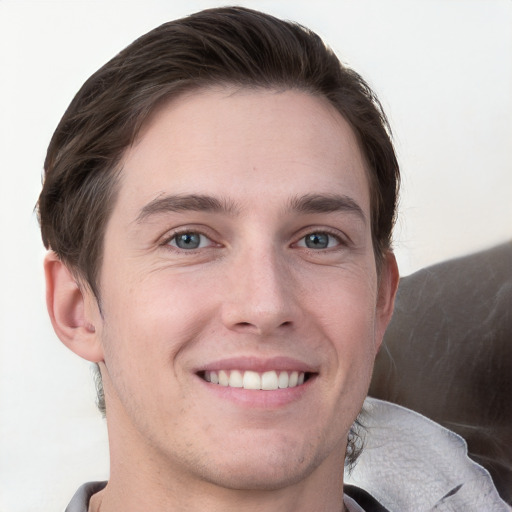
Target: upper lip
{"type": "Point", "coordinates": [258, 364]}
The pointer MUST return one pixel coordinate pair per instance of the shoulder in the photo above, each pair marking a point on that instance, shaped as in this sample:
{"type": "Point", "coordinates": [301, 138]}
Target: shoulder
{"type": "Point", "coordinates": [412, 463]}
{"type": "Point", "coordinates": [80, 501]}
{"type": "Point", "coordinates": [358, 500]}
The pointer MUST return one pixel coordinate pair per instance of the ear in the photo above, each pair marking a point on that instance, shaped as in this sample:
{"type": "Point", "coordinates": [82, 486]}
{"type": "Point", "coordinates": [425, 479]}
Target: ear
{"type": "Point", "coordinates": [388, 284]}
{"type": "Point", "coordinates": [73, 312]}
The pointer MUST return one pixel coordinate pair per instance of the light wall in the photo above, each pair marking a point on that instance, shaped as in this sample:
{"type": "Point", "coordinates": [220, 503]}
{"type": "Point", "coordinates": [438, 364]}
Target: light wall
{"type": "Point", "coordinates": [443, 70]}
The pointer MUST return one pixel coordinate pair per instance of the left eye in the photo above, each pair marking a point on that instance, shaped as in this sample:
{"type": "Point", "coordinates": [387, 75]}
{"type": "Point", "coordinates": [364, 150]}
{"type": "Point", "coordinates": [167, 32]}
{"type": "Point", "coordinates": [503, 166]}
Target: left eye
{"type": "Point", "coordinates": [189, 240]}
{"type": "Point", "coordinates": [318, 241]}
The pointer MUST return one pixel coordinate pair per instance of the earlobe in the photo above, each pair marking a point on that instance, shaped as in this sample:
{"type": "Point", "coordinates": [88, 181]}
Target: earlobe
{"type": "Point", "coordinates": [70, 310]}
{"type": "Point", "coordinates": [388, 285]}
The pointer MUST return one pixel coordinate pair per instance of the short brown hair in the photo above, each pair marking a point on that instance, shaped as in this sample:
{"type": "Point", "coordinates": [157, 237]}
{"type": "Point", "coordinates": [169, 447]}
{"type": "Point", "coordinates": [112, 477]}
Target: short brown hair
{"type": "Point", "coordinates": [232, 45]}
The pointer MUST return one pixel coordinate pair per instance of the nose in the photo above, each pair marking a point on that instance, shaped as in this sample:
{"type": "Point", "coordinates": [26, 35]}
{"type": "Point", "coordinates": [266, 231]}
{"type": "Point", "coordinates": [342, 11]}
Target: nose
{"type": "Point", "coordinates": [260, 294]}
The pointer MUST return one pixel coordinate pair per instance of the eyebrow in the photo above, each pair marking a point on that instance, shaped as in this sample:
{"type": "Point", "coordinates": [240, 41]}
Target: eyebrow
{"type": "Point", "coordinates": [180, 203]}
{"type": "Point", "coordinates": [322, 203]}
{"type": "Point", "coordinates": [306, 204]}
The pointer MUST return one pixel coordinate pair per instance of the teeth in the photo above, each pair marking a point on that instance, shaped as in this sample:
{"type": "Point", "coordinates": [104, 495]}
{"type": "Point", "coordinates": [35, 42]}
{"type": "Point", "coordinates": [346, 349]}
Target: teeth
{"type": "Point", "coordinates": [223, 378]}
{"type": "Point", "coordinates": [253, 380]}
{"type": "Point", "coordinates": [235, 379]}
{"type": "Point", "coordinates": [283, 381]}
{"type": "Point", "coordinates": [269, 381]}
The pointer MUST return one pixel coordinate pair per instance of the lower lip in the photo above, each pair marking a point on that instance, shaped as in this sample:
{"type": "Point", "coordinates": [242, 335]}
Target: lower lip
{"type": "Point", "coordinates": [263, 399]}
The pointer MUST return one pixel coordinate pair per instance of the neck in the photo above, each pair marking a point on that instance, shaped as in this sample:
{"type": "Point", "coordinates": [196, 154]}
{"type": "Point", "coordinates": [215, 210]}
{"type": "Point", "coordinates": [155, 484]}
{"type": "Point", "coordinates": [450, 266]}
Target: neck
{"type": "Point", "coordinates": [151, 497]}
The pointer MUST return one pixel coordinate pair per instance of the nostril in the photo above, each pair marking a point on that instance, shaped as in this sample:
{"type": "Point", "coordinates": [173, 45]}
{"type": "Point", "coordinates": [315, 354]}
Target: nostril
{"type": "Point", "coordinates": [244, 325]}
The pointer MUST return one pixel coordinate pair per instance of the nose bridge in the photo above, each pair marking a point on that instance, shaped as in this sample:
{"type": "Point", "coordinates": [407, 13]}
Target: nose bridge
{"type": "Point", "coordinates": [260, 295]}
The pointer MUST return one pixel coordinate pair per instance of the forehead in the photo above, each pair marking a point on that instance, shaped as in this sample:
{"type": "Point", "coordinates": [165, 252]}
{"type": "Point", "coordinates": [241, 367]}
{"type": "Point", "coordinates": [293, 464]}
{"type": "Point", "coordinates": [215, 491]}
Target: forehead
{"type": "Point", "coordinates": [225, 141]}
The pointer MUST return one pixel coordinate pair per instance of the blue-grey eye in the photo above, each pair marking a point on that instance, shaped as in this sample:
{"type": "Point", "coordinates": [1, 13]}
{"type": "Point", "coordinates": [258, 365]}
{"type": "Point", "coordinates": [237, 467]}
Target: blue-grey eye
{"type": "Point", "coordinates": [188, 240]}
{"type": "Point", "coordinates": [319, 240]}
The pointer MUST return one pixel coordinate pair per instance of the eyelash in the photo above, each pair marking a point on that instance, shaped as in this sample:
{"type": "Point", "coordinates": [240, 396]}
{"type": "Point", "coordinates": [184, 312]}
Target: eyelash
{"type": "Point", "coordinates": [340, 241]}
{"type": "Point", "coordinates": [174, 235]}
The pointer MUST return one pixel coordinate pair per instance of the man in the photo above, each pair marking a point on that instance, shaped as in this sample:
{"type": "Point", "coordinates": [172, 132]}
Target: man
{"type": "Point", "coordinates": [218, 204]}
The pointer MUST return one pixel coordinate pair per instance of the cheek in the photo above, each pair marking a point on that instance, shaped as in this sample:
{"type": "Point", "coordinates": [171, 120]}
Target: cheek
{"type": "Point", "coordinates": [345, 300]}
{"type": "Point", "coordinates": [148, 322]}
{"type": "Point", "coordinates": [349, 316]}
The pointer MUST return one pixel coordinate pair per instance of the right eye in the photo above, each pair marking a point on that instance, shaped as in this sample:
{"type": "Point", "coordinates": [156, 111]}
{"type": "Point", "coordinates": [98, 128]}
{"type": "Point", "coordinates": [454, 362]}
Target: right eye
{"type": "Point", "coordinates": [189, 240]}
{"type": "Point", "coordinates": [319, 240]}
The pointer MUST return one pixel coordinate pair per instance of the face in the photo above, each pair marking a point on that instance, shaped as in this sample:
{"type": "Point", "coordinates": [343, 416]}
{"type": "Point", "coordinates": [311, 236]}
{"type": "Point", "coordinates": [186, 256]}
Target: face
{"type": "Point", "coordinates": [239, 256]}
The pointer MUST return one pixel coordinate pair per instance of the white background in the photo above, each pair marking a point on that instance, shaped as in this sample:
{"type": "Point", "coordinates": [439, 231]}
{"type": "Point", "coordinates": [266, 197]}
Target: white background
{"type": "Point", "coordinates": [443, 70]}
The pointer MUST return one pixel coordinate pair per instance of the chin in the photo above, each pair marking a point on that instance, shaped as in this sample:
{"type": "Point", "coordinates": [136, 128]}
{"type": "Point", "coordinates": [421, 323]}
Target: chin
{"type": "Point", "coordinates": [265, 465]}
{"type": "Point", "coordinates": [256, 477]}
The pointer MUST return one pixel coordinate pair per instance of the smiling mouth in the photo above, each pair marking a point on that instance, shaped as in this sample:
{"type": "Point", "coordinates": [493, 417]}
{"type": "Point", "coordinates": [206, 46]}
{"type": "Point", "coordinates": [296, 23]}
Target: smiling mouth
{"type": "Point", "coordinates": [266, 381]}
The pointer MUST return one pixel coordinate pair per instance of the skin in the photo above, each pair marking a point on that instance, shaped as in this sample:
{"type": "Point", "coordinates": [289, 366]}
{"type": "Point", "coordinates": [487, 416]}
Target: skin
{"type": "Point", "coordinates": [253, 295]}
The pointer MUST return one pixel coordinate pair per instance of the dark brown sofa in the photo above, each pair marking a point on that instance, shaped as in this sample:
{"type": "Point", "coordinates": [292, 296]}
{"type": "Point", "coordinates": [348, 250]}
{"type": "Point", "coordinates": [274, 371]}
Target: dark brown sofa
{"type": "Point", "coordinates": [448, 354]}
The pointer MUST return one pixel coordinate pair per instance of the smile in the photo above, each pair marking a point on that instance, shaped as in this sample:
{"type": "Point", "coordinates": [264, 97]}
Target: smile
{"type": "Point", "coordinates": [267, 381]}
